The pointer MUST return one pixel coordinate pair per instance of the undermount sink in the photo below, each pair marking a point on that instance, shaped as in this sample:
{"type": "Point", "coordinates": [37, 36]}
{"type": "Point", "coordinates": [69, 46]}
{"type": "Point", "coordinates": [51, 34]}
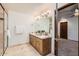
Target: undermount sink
{"type": "Point", "coordinates": [41, 35]}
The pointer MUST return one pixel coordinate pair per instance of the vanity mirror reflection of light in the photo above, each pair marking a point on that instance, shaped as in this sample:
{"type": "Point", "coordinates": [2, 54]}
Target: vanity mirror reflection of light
{"type": "Point", "coordinates": [43, 23]}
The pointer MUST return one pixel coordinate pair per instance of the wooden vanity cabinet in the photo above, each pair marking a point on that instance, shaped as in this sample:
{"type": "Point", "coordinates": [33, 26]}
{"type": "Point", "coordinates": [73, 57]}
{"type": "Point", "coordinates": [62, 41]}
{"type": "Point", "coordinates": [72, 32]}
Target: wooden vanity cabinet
{"type": "Point", "coordinates": [43, 46]}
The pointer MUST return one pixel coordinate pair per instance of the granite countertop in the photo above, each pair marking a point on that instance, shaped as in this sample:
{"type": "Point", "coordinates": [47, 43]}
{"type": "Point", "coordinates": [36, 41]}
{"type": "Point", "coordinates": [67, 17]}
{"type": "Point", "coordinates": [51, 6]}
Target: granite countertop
{"type": "Point", "coordinates": [41, 36]}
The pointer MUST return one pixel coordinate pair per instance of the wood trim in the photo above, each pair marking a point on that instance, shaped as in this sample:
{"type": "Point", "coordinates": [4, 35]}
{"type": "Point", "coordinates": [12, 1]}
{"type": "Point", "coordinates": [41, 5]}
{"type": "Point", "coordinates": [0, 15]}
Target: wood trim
{"type": "Point", "coordinates": [1, 18]}
{"type": "Point", "coordinates": [65, 6]}
{"type": "Point", "coordinates": [4, 11]}
{"type": "Point", "coordinates": [78, 32]}
{"type": "Point", "coordinates": [3, 8]}
{"type": "Point", "coordinates": [3, 34]}
{"type": "Point", "coordinates": [55, 29]}
{"type": "Point", "coordinates": [56, 48]}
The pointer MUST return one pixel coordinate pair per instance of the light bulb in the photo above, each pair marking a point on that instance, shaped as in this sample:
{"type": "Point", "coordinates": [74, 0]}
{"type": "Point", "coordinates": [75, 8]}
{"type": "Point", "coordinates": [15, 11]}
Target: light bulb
{"type": "Point", "coordinates": [76, 12]}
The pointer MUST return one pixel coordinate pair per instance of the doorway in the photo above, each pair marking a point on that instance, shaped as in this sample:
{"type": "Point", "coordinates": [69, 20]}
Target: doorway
{"type": "Point", "coordinates": [63, 30]}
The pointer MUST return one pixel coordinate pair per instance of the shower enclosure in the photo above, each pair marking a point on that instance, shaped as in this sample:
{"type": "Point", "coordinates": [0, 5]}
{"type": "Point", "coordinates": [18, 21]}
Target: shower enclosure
{"type": "Point", "coordinates": [3, 30]}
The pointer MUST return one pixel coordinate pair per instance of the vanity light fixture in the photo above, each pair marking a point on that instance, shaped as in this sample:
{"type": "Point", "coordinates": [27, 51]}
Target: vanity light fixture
{"type": "Point", "coordinates": [76, 12]}
{"type": "Point", "coordinates": [44, 14]}
{"type": "Point", "coordinates": [37, 17]}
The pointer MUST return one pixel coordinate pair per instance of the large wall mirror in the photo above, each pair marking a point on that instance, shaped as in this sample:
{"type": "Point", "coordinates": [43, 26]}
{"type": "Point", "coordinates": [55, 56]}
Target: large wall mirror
{"type": "Point", "coordinates": [66, 33]}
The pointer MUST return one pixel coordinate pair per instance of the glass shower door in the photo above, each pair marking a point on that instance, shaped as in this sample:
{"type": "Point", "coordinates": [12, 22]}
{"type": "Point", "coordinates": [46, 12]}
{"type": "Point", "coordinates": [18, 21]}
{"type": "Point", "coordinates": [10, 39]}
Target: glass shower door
{"type": "Point", "coordinates": [5, 31]}
{"type": "Point", "coordinates": [1, 31]}
{"type": "Point", "coordinates": [1, 37]}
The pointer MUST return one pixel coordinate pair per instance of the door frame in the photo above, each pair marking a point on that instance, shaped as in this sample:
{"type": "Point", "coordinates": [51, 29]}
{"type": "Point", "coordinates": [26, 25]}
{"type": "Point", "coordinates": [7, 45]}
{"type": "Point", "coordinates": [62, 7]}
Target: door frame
{"type": "Point", "coordinates": [78, 31]}
{"type": "Point", "coordinates": [4, 11]}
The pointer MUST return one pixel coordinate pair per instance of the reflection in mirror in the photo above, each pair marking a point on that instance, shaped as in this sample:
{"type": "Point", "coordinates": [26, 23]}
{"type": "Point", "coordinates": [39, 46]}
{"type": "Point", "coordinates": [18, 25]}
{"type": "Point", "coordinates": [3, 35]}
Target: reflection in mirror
{"type": "Point", "coordinates": [43, 23]}
{"type": "Point", "coordinates": [67, 30]}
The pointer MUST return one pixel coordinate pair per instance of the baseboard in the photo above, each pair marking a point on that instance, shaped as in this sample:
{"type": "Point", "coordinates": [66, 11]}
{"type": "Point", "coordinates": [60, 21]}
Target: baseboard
{"type": "Point", "coordinates": [17, 45]}
{"type": "Point", "coordinates": [67, 39]}
{"type": "Point", "coordinates": [73, 40]}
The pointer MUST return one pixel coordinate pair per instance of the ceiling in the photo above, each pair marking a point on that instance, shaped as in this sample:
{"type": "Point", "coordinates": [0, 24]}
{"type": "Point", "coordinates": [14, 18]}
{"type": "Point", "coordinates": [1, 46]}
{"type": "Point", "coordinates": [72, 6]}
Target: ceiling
{"type": "Point", "coordinates": [22, 7]}
{"type": "Point", "coordinates": [30, 8]}
{"type": "Point", "coordinates": [69, 11]}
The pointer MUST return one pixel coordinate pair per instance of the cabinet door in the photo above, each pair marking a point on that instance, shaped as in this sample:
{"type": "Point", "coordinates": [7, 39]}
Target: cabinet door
{"type": "Point", "coordinates": [30, 39]}
{"type": "Point", "coordinates": [39, 45]}
{"type": "Point", "coordinates": [46, 46]}
{"type": "Point", "coordinates": [34, 42]}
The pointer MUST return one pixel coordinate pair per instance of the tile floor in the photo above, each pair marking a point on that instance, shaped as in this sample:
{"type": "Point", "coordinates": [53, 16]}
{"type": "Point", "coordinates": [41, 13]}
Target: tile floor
{"type": "Point", "coordinates": [23, 50]}
{"type": "Point", "coordinates": [67, 48]}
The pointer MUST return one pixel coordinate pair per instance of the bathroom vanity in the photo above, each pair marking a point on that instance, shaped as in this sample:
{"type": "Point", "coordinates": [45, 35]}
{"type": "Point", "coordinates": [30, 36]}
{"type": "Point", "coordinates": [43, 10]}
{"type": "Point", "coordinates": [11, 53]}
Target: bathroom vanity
{"type": "Point", "coordinates": [41, 43]}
